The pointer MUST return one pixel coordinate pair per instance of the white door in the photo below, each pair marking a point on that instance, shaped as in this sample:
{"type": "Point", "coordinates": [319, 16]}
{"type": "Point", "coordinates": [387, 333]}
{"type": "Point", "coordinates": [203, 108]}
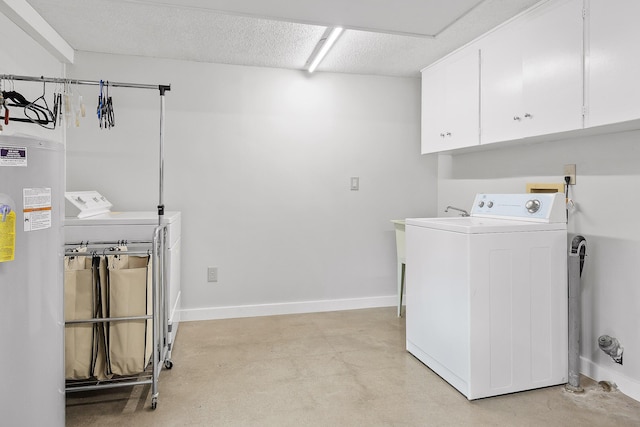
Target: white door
{"type": "Point", "coordinates": [552, 69]}
{"type": "Point", "coordinates": [532, 74]}
{"type": "Point", "coordinates": [613, 85]}
{"type": "Point", "coordinates": [501, 83]}
{"type": "Point", "coordinates": [433, 115]}
{"type": "Point", "coordinates": [450, 102]}
{"type": "Point", "coordinates": [463, 99]}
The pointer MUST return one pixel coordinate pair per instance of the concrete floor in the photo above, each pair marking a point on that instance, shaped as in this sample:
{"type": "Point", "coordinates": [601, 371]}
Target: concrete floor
{"type": "Point", "coordinates": [347, 368]}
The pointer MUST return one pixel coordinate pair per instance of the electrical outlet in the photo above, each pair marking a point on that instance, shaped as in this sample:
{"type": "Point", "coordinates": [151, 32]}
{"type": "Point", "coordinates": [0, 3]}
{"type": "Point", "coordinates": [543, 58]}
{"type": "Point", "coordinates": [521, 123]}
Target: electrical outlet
{"type": "Point", "coordinates": [212, 274]}
{"type": "Point", "coordinates": [570, 171]}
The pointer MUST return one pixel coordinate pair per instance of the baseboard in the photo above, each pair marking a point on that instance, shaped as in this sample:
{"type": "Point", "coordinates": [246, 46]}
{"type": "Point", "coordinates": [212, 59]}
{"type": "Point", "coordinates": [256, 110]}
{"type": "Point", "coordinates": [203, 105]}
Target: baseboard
{"type": "Point", "coordinates": [626, 385]}
{"type": "Point", "coordinates": [211, 313]}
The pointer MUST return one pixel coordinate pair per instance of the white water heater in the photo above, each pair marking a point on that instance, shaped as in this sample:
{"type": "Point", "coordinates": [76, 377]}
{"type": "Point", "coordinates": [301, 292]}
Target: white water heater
{"type": "Point", "coordinates": [31, 289]}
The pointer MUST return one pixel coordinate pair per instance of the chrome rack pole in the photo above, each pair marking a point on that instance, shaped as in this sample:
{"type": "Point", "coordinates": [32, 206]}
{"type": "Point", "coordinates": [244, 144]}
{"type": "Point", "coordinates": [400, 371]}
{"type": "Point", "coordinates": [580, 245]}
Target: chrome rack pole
{"type": "Point", "coordinates": [163, 283]}
{"type": "Point", "coordinates": [157, 255]}
{"type": "Point", "coordinates": [107, 319]}
{"type": "Point", "coordinates": [162, 89]}
{"type": "Point", "coordinates": [114, 253]}
{"type": "Point", "coordinates": [82, 82]}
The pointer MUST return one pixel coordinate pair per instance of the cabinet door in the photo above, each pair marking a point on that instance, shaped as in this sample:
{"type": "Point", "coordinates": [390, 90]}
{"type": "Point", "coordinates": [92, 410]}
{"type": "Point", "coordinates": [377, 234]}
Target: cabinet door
{"type": "Point", "coordinates": [613, 86]}
{"type": "Point", "coordinates": [552, 81]}
{"type": "Point", "coordinates": [462, 108]}
{"type": "Point", "coordinates": [450, 103]}
{"type": "Point", "coordinates": [501, 83]}
{"type": "Point", "coordinates": [433, 115]}
{"type": "Point", "coordinates": [532, 74]}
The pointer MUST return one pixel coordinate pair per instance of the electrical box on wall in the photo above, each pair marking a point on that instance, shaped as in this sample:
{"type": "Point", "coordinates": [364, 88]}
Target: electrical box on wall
{"type": "Point", "coordinates": [570, 171]}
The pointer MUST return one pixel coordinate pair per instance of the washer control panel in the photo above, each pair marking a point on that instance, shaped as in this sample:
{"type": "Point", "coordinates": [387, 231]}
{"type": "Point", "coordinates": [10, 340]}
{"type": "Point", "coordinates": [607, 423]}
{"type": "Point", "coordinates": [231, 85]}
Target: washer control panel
{"type": "Point", "coordinates": [541, 207]}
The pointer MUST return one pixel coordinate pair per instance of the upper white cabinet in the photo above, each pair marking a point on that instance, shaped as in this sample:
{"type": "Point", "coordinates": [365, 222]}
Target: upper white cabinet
{"type": "Point", "coordinates": [532, 74]}
{"type": "Point", "coordinates": [502, 105]}
{"type": "Point", "coordinates": [563, 65]}
{"type": "Point", "coordinates": [613, 63]}
{"type": "Point", "coordinates": [451, 103]}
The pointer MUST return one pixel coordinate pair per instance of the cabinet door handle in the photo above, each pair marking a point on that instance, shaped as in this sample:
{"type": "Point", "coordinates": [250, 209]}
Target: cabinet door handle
{"type": "Point", "coordinates": [448, 133]}
{"type": "Point", "coordinates": [528, 116]}
{"type": "Point", "coordinates": [516, 118]}
{"type": "Point", "coordinates": [442, 135]}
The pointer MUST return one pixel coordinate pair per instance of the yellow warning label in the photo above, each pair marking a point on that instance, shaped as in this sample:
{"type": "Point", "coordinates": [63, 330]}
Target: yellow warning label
{"type": "Point", "coordinates": [8, 237]}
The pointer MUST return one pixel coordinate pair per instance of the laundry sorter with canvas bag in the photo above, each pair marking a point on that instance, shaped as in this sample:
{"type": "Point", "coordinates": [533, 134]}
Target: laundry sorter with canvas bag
{"type": "Point", "coordinates": [138, 226]}
{"type": "Point", "coordinates": [115, 317]}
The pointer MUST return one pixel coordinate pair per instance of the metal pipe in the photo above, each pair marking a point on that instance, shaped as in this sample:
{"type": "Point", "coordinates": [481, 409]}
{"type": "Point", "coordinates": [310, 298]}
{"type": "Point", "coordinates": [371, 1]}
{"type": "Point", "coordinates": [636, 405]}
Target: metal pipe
{"type": "Point", "coordinates": [156, 292]}
{"type": "Point", "coordinates": [165, 299]}
{"type": "Point", "coordinates": [107, 319]}
{"type": "Point", "coordinates": [575, 264]}
{"type": "Point", "coordinates": [109, 244]}
{"type": "Point", "coordinates": [105, 385]}
{"type": "Point", "coordinates": [114, 253]}
{"type": "Point", "coordinates": [82, 82]}
{"type": "Point", "coordinates": [161, 150]}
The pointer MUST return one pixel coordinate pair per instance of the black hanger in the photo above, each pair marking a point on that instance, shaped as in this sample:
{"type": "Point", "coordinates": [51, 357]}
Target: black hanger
{"type": "Point", "coordinates": [106, 117]}
{"type": "Point", "coordinates": [41, 114]}
{"type": "Point", "coordinates": [34, 112]}
{"type": "Point", "coordinates": [16, 97]}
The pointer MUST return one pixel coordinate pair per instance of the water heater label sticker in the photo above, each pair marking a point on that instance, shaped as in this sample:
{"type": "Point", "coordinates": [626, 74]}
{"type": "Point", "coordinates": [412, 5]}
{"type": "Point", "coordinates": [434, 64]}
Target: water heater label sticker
{"type": "Point", "coordinates": [37, 208]}
{"type": "Point", "coordinates": [13, 156]}
{"type": "Point", "coordinates": [8, 238]}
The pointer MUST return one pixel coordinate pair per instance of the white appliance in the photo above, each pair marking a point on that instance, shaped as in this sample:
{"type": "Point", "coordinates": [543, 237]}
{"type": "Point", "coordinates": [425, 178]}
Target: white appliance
{"type": "Point", "coordinates": [113, 226]}
{"type": "Point", "coordinates": [31, 293]}
{"type": "Point", "coordinates": [487, 294]}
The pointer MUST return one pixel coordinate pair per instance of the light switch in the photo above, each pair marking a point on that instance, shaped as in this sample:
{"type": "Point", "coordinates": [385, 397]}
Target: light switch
{"type": "Point", "coordinates": [212, 274]}
{"type": "Point", "coordinates": [355, 183]}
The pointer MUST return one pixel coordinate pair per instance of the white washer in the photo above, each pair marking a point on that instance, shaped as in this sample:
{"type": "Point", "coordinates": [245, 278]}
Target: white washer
{"type": "Point", "coordinates": [113, 226]}
{"type": "Point", "coordinates": [487, 294]}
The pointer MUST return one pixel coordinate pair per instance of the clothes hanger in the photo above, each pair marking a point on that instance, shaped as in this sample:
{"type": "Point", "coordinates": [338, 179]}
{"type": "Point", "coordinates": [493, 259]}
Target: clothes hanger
{"type": "Point", "coordinates": [38, 115]}
{"type": "Point", "coordinates": [110, 119]}
{"type": "Point", "coordinates": [41, 114]}
{"type": "Point", "coordinates": [3, 104]}
{"type": "Point", "coordinates": [105, 112]}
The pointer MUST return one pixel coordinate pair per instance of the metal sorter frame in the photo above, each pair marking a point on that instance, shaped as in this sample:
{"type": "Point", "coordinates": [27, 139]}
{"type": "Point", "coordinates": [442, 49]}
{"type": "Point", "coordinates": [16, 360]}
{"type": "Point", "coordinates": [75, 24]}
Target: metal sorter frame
{"type": "Point", "coordinates": [157, 249]}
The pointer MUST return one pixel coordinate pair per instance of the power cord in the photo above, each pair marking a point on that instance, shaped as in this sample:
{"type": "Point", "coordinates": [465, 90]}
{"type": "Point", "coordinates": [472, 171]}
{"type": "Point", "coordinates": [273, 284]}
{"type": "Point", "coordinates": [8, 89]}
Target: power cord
{"type": "Point", "coordinates": [567, 180]}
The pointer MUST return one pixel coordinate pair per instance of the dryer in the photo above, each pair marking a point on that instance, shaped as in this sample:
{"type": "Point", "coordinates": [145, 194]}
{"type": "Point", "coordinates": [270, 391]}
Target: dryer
{"type": "Point", "coordinates": [487, 294]}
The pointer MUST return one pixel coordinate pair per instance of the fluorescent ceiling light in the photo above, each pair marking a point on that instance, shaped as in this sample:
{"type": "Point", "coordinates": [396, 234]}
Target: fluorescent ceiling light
{"type": "Point", "coordinates": [323, 47]}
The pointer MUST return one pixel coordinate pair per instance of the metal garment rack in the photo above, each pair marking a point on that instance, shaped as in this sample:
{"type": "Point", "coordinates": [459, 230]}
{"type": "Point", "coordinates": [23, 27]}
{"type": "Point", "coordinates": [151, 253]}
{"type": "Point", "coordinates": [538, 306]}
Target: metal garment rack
{"type": "Point", "coordinates": [158, 347]}
{"type": "Point", "coordinates": [157, 250]}
{"type": "Point", "coordinates": [161, 88]}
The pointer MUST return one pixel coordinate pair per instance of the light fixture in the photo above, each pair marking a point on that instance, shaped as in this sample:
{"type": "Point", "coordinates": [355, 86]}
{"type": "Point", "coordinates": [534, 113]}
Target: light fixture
{"type": "Point", "coordinates": [328, 39]}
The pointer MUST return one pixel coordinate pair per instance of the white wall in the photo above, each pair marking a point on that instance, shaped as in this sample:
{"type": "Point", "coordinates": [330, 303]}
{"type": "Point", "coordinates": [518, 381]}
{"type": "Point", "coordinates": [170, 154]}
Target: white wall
{"type": "Point", "coordinates": [259, 161]}
{"type": "Point", "coordinates": [21, 55]}
{"type": "Point", "coordinates": [606, 193]}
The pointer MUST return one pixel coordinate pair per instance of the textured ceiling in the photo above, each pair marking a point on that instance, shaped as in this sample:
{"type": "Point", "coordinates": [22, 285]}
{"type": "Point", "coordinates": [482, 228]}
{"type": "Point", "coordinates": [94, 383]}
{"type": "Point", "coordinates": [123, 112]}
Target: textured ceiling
{"type": "Point", "coordinates": [427, 17]}
{"type": "Point", "coordinates": [279, 33]}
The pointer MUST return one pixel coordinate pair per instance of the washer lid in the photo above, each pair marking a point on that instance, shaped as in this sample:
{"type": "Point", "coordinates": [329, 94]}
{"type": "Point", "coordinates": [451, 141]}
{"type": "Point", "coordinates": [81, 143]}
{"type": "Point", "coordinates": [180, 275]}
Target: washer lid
{"type": "Point", "coordinates": [477, 225]}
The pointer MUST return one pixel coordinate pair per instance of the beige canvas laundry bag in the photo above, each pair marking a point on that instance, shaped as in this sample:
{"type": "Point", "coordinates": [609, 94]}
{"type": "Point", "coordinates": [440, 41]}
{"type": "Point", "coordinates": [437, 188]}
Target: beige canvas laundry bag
{"type": "Point", "coordinates": [79, 338]}
{"type": "Point", "coordinates": [129, 294]}
{"type": "Point", "coordinates": [101, 367]}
